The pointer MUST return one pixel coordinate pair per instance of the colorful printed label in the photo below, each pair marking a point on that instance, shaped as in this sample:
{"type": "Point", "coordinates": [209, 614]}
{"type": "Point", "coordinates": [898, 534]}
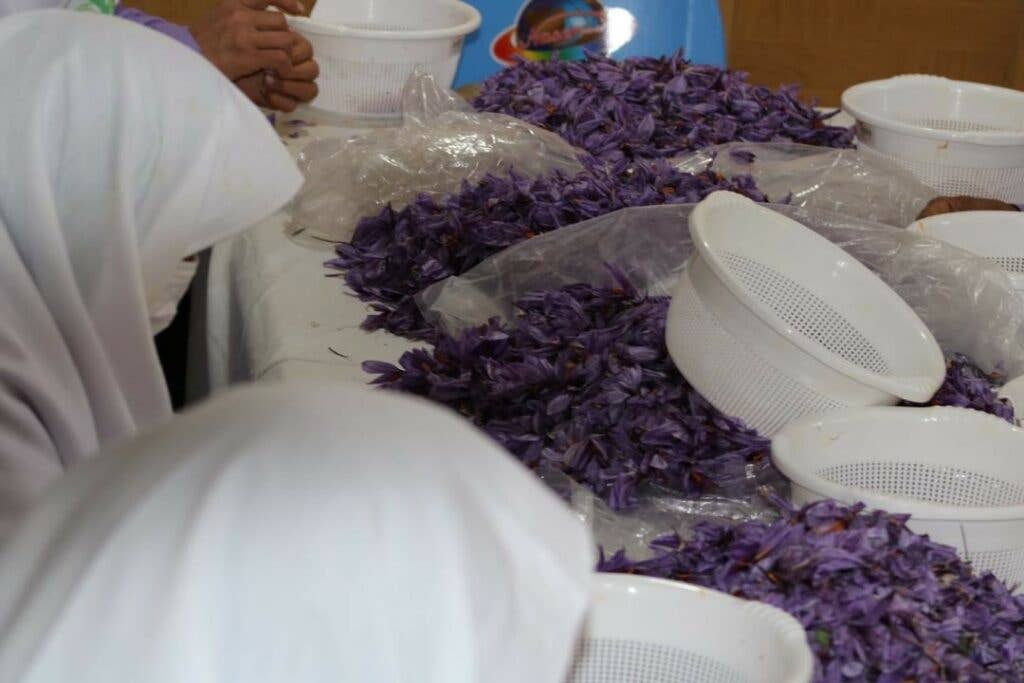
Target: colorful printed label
{"type": "Point", "coordinates": [563, 29]}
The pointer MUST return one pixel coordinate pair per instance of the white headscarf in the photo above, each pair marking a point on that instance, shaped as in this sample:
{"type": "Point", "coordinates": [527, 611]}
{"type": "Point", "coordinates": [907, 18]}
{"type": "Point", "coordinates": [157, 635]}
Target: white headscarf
{"type": "Point", "coordinates": [122, 153]}
{"type": "Point", "coordinates": [12, 6]}
{"type": "Point", "coordinates": [303, 534]}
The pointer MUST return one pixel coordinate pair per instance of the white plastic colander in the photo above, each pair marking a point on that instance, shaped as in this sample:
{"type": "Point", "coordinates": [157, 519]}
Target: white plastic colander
{"type": "Point", "coordinates": [995, 235]}
{"type": "Point", "coordinates": [772, 322]}
{"type": "Point", "coordinates": [959, 138]}
{"type": "Point", "coordinates": [643, 630]}
{"type": "Point", "coordinates": [367, 49]}
{"type": "Point", "coordinates": [959, 473]}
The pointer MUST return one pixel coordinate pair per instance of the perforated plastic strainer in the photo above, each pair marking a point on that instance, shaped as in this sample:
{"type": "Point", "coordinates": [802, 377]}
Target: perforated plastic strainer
{"type": "Point", "coordinates": [367, 49]}
{"type": "Point", "coordinates": [772, 322]}
{"type": "Point", "coordinates": [643, 630]}
{"type": "Point", "coordinates": [995, 235]}
{"type": "Point", "coordinates": [959, 473]}
{"type": "Point", "coordinates": [958, 137]}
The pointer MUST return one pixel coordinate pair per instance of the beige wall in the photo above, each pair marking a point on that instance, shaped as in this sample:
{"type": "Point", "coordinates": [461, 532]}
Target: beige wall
{"type": "Point", "coordinates": [180, 11]}
{"type": "Point", "coordinates": [830, 44]}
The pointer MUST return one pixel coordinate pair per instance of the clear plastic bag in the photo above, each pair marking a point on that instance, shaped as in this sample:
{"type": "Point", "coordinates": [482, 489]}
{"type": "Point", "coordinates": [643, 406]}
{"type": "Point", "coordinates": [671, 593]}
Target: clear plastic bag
{"type": "Point", "coordinates": [440, 144]}
{"type": "Point", "coordinates": [839, 180]}
{"type": "Point", "coordinates": [968, 302]}
{"type": "Point", "coordinates": [660, 512]}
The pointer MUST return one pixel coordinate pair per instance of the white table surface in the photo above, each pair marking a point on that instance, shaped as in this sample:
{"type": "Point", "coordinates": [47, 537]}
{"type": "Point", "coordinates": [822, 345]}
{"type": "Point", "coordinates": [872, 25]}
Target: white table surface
{"type": "Point", "coordinates": [272, 312]}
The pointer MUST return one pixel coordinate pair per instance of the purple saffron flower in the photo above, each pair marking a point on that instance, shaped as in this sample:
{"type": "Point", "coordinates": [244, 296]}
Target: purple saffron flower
{"type": "Point", "coordinates": [394, 255]}
{"type": "Point", "coordinates": [646, 108]}
{"type": "Point", "coordinates": [879, 603]}
{"type": "Point", "coordinates": [966, 386]}
{"type": "Point", "coordinates": [583, 380]}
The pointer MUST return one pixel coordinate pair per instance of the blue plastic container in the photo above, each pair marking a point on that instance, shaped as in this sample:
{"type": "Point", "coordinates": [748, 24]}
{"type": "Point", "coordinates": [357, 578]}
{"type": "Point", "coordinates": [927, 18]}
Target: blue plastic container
{"type": "Point", "coordinates": [567, 29]}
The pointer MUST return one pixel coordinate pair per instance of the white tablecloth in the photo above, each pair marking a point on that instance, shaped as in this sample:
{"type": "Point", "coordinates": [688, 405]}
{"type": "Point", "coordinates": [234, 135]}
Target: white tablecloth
{"type": "Point", "coordinates": [272, 312]}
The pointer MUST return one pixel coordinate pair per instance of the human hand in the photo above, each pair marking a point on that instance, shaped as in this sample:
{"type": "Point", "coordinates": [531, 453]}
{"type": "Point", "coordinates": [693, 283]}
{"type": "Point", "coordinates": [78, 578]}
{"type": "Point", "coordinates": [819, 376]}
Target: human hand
{"type": "Point", "coordinates": [285, 90]}
{"type": "Point", "coordinates": [241, 37]}
{"type": "Point", "coordinates": [941, 205]}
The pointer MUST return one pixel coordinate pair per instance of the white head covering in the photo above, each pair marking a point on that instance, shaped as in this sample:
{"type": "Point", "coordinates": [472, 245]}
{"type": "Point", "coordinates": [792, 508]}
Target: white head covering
{"type": "Point", "coordinates": [123, 152]}
{"type": "Point", "coordinates": [309, 534]}
{"type": "Point", "coordinates": [12, 6]}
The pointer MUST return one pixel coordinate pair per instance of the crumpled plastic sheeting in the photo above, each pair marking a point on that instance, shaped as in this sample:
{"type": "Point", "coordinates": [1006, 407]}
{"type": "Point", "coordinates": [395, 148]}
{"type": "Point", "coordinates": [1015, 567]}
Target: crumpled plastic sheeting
{"type": "Point", "coordinates": [968, 302]}
{"type": "Point", "coordinates": [839, 180]}
{"type": "Point", "coordinates": [660, 512]}
{"type": "Point", "coordinates": [440, 144]}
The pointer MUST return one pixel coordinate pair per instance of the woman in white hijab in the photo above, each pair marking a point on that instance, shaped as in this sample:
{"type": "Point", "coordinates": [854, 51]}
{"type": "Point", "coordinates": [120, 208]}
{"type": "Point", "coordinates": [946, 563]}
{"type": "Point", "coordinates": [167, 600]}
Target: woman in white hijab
{"type": "Point", "coordinates": [309, 534]}
{"type": "Point", "coordinates": [122, 154]}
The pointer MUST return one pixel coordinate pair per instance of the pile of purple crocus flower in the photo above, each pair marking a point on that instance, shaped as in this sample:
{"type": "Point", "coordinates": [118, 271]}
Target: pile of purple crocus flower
{"type": "Point", "coordinates": [653, 107]}
{"type": "Point", "coordinates": [878, 602]}
{"type": "Point", "coordinates": [395, 254]}
{"type": "Point", "coordinates": [628, 115]}
{"type": "Point", "coordinates": [582, 381]}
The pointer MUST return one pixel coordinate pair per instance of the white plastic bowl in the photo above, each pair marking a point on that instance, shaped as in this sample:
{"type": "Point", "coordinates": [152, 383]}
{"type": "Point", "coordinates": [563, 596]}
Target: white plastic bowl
{"type": "Point", "coordinates": [772, 322]}
{"type": "Point", "coordinates": [960, 138]}
{"type": "Point", "coordinates": [995, 235]}
{"type": "Point", "coordinates": [643, 630]}
{"type": "Point", "coordinates": [367, 50]}
{"type": "Point", "coordinates": [959, 473]}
